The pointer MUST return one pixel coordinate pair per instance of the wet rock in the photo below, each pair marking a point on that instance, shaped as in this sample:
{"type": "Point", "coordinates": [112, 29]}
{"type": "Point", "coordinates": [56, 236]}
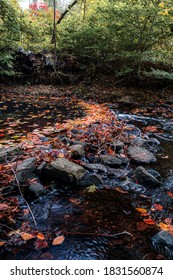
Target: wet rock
{"type": "Point", "coordinates": [118, 173]}
{"type": "Point", "coordinates": [65, 170]}
{"type": "Point", "coordinates": [111, 160]}
{"type": "Point", "coordinates": [96, 167]}
{"type": "Point", "coordinates": [90, 179]}
{"type": "Point", "coordinates": [41, 167]}
{"type": "Point", "coordinates": [37, 189]}
{"type": "Point", "coordinates": [163, 243]}
{"type": "Point", "coordinates": [155, 173]}
{"type": "Point", "coordinates": [130, 186]}
{"type": "Point", "coordinates": [145, 178]}
{"type": "Point", "coordinates": [127, 100]}
{"type": "Point", "coordinates": [119, 145]}
{"type": "Point", "coordinates": [168, 184]}
{"type": "Point", "coordinates": [25, 169]}
{"type": "Point", "coordinates": [9, 152]}
{"type": "Point", "coordinates": [77, 150]}
{"type": "Point", "coordinates": [140, 155]}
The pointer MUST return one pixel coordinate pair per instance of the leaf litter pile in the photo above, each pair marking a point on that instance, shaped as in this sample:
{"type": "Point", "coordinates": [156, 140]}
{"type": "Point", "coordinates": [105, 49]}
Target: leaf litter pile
{"type": "Point", "coordinates": [41, 127]}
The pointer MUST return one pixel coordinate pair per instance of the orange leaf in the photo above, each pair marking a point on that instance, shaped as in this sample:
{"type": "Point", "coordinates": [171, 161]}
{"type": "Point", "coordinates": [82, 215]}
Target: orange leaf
{"type": "Point", "coordinates": [149, 221]}
{"type": "Point", "coordinates": [144, 214]}
{"type": "Point", "coordinates": [164, 226]}
{"type": "Point", "coordinates": [58, 240]}
{"type": "Point", "coordinates": [40, 236]}
{"type": "Point", "coordinates": [2, 243]}
{"type": "Point", "coordinates": [120, 190]}
{"type": "Point", "coordinates": [141, 210]}
{"type": "Point", "coordinates": [26, 236]}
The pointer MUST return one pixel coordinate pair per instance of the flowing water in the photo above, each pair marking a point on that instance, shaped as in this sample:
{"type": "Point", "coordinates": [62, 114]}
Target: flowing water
{"type": "Point", "coordinates": [99, 225]}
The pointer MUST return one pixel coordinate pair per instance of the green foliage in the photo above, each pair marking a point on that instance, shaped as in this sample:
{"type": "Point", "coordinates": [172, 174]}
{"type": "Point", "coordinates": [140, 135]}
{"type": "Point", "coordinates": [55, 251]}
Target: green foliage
{"type": "Point", "coordinates": [124, 28]}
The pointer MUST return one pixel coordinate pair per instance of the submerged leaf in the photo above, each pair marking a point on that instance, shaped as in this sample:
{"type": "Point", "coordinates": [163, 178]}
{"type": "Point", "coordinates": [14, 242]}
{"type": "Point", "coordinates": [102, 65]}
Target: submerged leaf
{"type": "Point", "coordinates": [58, 240]}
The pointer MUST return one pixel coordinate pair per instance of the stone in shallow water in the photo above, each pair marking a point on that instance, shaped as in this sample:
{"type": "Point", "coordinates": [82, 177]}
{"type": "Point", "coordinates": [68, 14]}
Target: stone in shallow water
{"type": "Point", "coordinates": [37, 189]}
{"type": "Point", "coordinates": [65, 170]}
{"type": "Point", "coordinates": [90, 179]}
{"type": "Point", "coordinates": [163, 243]}
{"type": "Point", "coordinates": [9, 152]}
{"type": "Point", "coordinates": [145, 178]}
{"type": "Point", "coordinates": [25, 169]}
{"type": "Point", "coordinates": [96, 167]}
{"type": "Point", "coordinates": [140, 155]}
{"type": "Point", "coordinates": [111, 160]}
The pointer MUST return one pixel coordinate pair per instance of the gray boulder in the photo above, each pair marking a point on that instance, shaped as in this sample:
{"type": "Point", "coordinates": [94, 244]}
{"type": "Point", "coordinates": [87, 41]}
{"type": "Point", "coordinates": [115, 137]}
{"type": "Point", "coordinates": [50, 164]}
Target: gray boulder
{"type": "Point", "coordinates": [90, 179]}
{"type": "Point", "coordinates": [145, 178]}
{"type": "Point", "coordinates": [77, 150]}
{"type": "Point", "coordinates": [127, 100]}
{"type": "Point", "coordinates": [37, 189]}
{"type": "Point", "coordinates": [140, 155]}
{"type": "Point", "coordinates": [111, 161]}
{"type": "Point", "coordinates": [96, 167]}
{"type": "Point", "coordinates": [25, 169]}
{"type": "Point", "coordinates": [130, 186]}
{"type": "Point", "coordinates": [65, 170]}
{"type": "Point", "coordinates": [163, 243]}
{"type": "Point", "coordinates": [9, 152]}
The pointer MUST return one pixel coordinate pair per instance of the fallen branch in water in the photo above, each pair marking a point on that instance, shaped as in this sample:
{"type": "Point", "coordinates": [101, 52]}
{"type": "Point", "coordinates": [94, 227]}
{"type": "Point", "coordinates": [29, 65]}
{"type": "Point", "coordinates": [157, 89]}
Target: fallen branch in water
{"type": "Point", "coordinates": [114, 235]}
{"type": "Point", "coordinates": [20, 191]}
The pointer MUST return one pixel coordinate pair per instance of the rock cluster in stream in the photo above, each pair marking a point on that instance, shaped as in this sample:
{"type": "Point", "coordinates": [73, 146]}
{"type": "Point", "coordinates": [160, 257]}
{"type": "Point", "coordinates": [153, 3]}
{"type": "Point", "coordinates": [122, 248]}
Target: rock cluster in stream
{"type": "Point", "coordinates": [125, 170]}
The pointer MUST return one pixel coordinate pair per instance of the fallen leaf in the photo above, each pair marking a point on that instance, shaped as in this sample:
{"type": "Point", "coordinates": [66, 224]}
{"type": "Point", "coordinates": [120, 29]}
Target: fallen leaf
{"type": "Point", "coordinates": [14, 232]}
{"type": "Point", "coordinates": [158, 206]}
{"type": "Point", "coordinates": [141, 210]}
{"type": "Point", "coordinates": [120, 190]}
{"type": "Point", "coordinates": [2, 243]}
{"type": "Point", "coordinates": [58, 240]}
{"type": "Point", "coordinates": [164, 226]}
{"type": "Point", "coordinates": [141, 226]}
{"type": "Point", "coordinates": [149, 221]}
{"type": "Point", "coordinates": [40, 236]}
{"type": "Point", "coordinates": [91, 188]}
{"type": "Point", "coordinates": [40, 244]}
{"type": "Point", "coordinates": [4, 206]}
{"type": "Point", "coordinates": [26, 236]}
{"type": "Point", "coordinates": [170, 194]}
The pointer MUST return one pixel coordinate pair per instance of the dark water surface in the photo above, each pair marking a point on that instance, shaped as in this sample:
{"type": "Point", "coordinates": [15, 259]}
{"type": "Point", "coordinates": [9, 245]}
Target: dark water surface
{"type": "Point", "coordinates": [88, 220]}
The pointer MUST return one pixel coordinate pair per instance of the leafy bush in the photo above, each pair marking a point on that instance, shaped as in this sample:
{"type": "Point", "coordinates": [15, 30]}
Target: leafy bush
{"type": "Point", "coordinates": [126, 29]}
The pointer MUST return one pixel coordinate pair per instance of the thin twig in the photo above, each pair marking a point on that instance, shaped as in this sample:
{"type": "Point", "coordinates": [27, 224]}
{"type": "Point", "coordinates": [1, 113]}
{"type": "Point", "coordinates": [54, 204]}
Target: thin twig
{"type": "Point", "coordinates": [114, 235]}
{"type": "Point", "coordinates": [19, 188]}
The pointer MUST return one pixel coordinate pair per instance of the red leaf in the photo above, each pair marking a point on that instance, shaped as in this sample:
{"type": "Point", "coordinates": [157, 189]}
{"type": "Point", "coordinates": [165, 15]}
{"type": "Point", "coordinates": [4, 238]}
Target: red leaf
{"type": "Point", "coordinates": [149, 221]}
{"type": "Point", "coordinates": [40, 244]}
{"type": "Point", "coordinates": [4, 207]}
